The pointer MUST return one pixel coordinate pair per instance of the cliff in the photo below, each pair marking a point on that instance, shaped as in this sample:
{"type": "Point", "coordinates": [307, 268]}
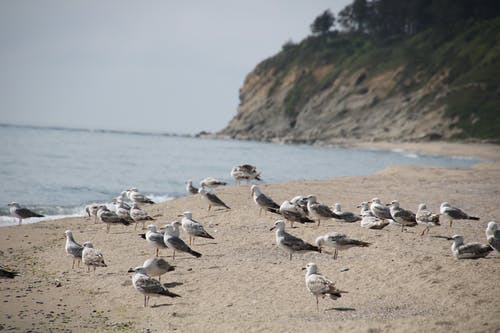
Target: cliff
{"type": "Point", "coordinates": [345, 87]}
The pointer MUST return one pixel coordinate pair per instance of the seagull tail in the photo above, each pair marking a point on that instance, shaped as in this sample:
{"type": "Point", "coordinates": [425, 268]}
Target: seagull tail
{"type": "Point", "coordinates": [194, 253]}
{"type": "Point", "coordinates": [165, 292]}
{"type": "Point", "coordinates": [475, 218]}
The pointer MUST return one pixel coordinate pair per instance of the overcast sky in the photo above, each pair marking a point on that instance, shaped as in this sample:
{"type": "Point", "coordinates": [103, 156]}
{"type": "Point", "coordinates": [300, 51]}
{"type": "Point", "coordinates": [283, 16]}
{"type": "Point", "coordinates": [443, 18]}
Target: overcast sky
{"type": "Point", "coordinates": [159, 66]}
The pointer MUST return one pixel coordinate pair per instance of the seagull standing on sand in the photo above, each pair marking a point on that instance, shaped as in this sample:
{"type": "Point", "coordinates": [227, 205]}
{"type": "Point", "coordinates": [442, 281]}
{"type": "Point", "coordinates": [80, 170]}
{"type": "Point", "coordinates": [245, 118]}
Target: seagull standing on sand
{"type": "Point", "coordinates": [379, 210]}
{"type": "Point", "coordinates": [73, 249]}
{"type": "Point", "coordinates": [402, 216]}
{"type": "Point", "coordinates": [263, 201]}
{"type": "Point", "coordinates": [290, 243]}
{"type": "Point", "coordinates": [135, 196]}
{"type": "Point", "coordinates": [123, 211]}
{"type": "Point", "coordinates": [293, 213]}
{"type": "Point", "coordinates": [157, 267]}
{"type": "Point", "coordinates": [339, 242]}
{"type": "Point", "coordinates": [319, 211]}
{"type": "Point", "coordinates": [426, 218]}
{"type": "Point", "coordinates": [212, 199]}
{"type": "Point", "coordinates": [92, 211]}
{"type": "Point", "coordinates": [319, 285]}
{"type": "Point", "coordinates": [493, 236]}
{"type": "Point", "coordinates": [345, 216]}
{"type": "Point", "coordinates": [212, 182]}
{"type": "Point", "coordinates": [190, 188]}
{"type": "Point", "coordinates": [155, 238]}
{"type": "Point", "coordinates": [193, 228]}
{"type": "Point", "coordinates": [108, 217]}
{"type": "Point", "coordinates": [469, 250]}
{"type": "Point", "coordinates": [148, 286]}
{"type": "Point", "coordinates": [21, 213]}
{"type": "Point", "coordinates": [452, 213]}
{"type": "Point", "coordinates": [92, 257]}
{"type": "Point", "coordinates": [370, 221]}
{"type": "Point", "coordinates": [139, 215]}
{"type": "Point", "coordinates": [177, 244]}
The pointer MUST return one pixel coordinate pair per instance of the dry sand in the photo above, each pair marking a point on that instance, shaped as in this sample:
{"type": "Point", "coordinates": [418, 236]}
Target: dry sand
{"type": "Point", "coordinates": [245, 283]}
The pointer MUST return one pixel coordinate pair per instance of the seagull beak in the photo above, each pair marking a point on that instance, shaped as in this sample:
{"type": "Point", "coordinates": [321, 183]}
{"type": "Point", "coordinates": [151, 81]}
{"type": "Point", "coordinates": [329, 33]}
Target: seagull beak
{"type": "Point", "coordinates": [274, 227]}
{"type": "Point", "coordinates": [359, 206]}
{"type": "Point", "coordinates": [131, 270]}
{"type": "Point", "coordinates": [180, 215]}
{"type": "Point", "coordinates": [388, 204]}
{"type": "Point", "coordinates": [303, 268]}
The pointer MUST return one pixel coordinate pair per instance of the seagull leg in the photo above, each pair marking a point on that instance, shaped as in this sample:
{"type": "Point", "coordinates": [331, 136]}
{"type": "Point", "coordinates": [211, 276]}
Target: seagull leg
{"type": "Point", "coordinates": [402, 227]}
{"type": "Point", "coordinates": [335, 253]}
{"type": "Point", "coordinates": [317, 303]}
{"type": "Point", "coordinates": [108, 226]}
{"type": "Point", "coordinates": [73, 265]}
{"type": "Point", "coordinates": [209, 207]}
{"type": "Point", "coordinates": [290, 255]}
{"type": "Point", "coordinates": [319, 221]}
{"type": "Point", "coordinates": [145, 300]}
{"type": "Point", "coordinates": [157, 250]}
{"type": "Point", "coordinates": [451, 222]}
{"type": "Point", "coordinates": [173, 255]}
{"type": "Point", "coordinates": [423, 231]}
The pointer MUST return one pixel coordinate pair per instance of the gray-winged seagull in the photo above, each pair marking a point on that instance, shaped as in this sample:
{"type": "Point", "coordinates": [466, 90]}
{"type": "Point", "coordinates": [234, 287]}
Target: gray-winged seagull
{"type": "Point", "coordinates": [193, 228]}
{"type": "Point", "coordinates": [402, 216]}
{"type": "Point", "coordinates": [493, 236]}
{"type": "Point", "coordinates": [319, 211]}
{"type": "Point", "coordinates": [469, 250]}
{"type": "Point", "coordinates": [452, 213]}
{"type": "Point", "coordinates": [212, 199]}
{"type": "Point", "coordinates": [20, 212]}
{"type": "Point", "coordinates": [263, 201]}
{"type": "Point", "coordinates": [148, 286]}
{"type": "Point", "coordinates": [290, 243]}
{"type": "Point", "coordinates": [73, 249]}
{"type": "Point", "coordinates": [339, 242]}
{"type": "Point", "coordinates": [426, 217]}
{"type": "Point", "coordinates": [319, 285]}
{"type": "Point", "coordinates": [177, 244]}
{"type": "Point", "coordinates": [92, 257]}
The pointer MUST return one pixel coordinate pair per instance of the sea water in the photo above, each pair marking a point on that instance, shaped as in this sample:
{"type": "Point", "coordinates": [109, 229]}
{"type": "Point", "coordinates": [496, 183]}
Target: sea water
{"type": "Point", "coordinates": [57, 171]}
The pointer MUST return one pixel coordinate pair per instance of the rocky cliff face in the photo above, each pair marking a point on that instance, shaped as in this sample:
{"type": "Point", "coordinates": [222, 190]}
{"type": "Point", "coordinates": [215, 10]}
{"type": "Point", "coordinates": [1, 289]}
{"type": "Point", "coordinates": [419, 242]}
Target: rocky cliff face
{"type": "Point", "coordinates": [359, 106]}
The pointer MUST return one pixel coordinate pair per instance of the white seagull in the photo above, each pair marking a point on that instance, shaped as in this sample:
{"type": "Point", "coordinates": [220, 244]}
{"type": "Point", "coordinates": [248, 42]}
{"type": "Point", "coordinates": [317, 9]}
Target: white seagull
{"type": "Point", "coordinates": [155, 238]}
{"type": "Point", "coordinates": [177, 244]}
{"type": "Point", "coordinates": [493, 236]}
{"type": "Point", "coordinates": [157, 267]}
{"type": "Point", "coordinates": [380, 210]}
{"type": "Point", "coordinates": [212, 199]}
{"type": "Point", "coordinates": [108, 217]}
{"type": "Point", "coordinates": [319, 285]}
{"type": "Point", "coordinates": [139, 215]}
{"type": "Point", "coordinates": [73, 249]}
{"type": "Point", "coordinates": [212, 182]}
{"type": "Point", "coordinates": [148, 286]}
{"type": "Point", "coordinates": [339, 242]}
{"type": "Point", "coordinates": [134, 195]}
{"type": "Point", "coordinates": [469, 250]}
{"type": "Point", "coordinates": [370, 221]}
{"type": "Point", "coordinates": [426, 218]}
{"type": "Point", "coordinates": [293, 213]}
{"type": "Point", "coordinates": [289, 242]}
{"type": "Point", "coordinates": [21, 213]}
{"type": "Point", "coordinates": [402, 216]}
{"type": "Point", "coordinates": [319, 211]}
{"type": "Point", "coordinates": [345, 216]}
{"type": "Point", "coordinates": [92, 257]}
{"type": "Point", "coordinates": [452, 213]}
{"type": "Point", "coordinates": [92, 211]}
{"type": "Point", "coordinates": [263, 201]}
{"type": "Point", "coordinates": [193, 228]}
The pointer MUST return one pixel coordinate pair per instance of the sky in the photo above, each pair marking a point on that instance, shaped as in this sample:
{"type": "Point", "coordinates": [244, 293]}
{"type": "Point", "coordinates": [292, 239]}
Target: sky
{"type": "Point", "coordinates": [153, 66]}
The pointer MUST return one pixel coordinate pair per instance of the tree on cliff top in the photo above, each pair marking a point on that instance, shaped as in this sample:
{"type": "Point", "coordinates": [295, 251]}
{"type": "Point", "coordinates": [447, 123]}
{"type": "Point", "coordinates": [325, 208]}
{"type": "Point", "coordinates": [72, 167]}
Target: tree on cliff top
{"type": "Point", "coordinates": [323, 23]}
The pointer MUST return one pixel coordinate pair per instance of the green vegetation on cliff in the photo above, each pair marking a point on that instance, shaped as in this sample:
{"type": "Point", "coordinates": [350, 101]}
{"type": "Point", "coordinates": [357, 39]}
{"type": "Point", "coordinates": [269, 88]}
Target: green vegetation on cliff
{"type": "Point", "coordinates": [468, 54]}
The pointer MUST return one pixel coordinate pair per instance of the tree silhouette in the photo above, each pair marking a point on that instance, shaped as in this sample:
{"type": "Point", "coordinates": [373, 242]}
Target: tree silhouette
{"type": "Point", "coordinates": [323, 23]}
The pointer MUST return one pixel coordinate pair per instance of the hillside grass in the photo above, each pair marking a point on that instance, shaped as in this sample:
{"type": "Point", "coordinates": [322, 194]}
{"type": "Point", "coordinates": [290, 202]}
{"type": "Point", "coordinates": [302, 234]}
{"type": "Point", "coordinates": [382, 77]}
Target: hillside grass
{"type": "Point", "coordinates": [471, 56]}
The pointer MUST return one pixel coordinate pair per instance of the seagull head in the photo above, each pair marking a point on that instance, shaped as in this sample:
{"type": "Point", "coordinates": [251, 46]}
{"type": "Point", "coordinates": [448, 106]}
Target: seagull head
{"type": "Point", "coordinates": [88, 244]}
{"type": "Point", "coordinates": [311, 268]}
{"type": "Point", "coordinates": [444, 205]}
{"type": "Point", "coordinates": [13, 204]}
{"type": "Point", "coordinates": [376, 200]}
{"type": "Point", "coordinates": [278, 225]}
{"type": "Point", "coordinates": [311, 198]}
{"type": "Point", "coordinates": [320, 241]}
{"type": "Point", "coordinates": [152, 228]}
{"type": "Point", "coordinates": [187, 214]}
{"type": "Point", "coordinates": [202, 190]}
{"type": "Point", "coordinates": [394, 203]}
{"type": "Point", "coordinates": [68, 233]}
{"type": "Point", "coordinates": [139, 269]}
{"type": "Point", "coordinates": [169, 228]}
{"type": "Point", "coordinates": [492, 227]}
{"type": "Point", "coordinates": [338, 207]}
{"type": "Point", "coordinates": [255, 190]}
{"type": "Point", "coordinates": [364, 205]}
{"type": "Point", "coordinates": [422, 206]}
{"type": "Point", "coordinates": [458, 239]}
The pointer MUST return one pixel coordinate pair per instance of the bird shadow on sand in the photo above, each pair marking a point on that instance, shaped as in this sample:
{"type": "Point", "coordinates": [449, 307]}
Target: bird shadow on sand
{"type": "Point", "coordinates": [341, 309]}
{"type": "Point", "coordinates": [172, 284]}
{"type": "Point", "coordinates": [160, 305]}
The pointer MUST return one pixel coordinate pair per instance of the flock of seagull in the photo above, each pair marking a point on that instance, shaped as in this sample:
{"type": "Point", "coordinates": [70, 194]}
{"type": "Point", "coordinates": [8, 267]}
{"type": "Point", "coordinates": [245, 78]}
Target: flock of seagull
{"type": "Point", "coordinates": [300, 209]}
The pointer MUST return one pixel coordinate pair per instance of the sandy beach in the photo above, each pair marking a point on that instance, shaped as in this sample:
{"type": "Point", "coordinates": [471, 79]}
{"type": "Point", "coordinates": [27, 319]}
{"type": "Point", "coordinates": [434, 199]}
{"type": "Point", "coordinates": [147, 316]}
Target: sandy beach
{"type": "Point", "coordinates": [403, 282]}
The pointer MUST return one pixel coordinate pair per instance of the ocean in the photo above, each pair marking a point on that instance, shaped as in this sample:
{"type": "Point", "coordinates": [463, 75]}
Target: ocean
{"type": "Point", "coordinates": [57, 171]}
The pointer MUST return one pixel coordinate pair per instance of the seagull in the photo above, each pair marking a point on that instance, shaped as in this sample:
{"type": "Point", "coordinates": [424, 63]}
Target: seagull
{"type": "Point", "coordinates": [139, 215]}
{"type": "Point", "coordinates": [193, 228]}
{"type": "Point", "coordinates": [293, 213]}
{"type": "Point", "coordinates": [175, 228]}
{"type": "Point", "coordinates": [190, 188]}
{"type": "Point", "coordinates": [155, 238]}
{"type": "Point", "coordinates": [345, 216]}
{"type": "Point", "coordinates": [379, 210]}
{"type": "Point", "coordinates": [157, 267]}
{"type": "Point", "coordinates": [370, 221]}
{"type": "Point", "coordinates": [469, 250]}
{"type": "Point", "coordinates": [301, 203]}
{"type": "Point", "coordinates": [493, 236]}
{"type": "Point", "coordinates": [245, 172]}
{"type": "Point", "coordinates": [73, 249]}
{"type": "Point", "coordinates": [289, 242]}
{"type": "Point", "coordinates": [212, 182]}
{"type": "Point", "coordinates": [123, 211]}
{"type": "Point", "coordinates": [21, 213]}
{"type": "Point", "coordinates": [452, 213]}
{"type": "Point", "coordinates": [135, 196]}
{"type": "Point", "coordinates": [426, 218]}
{"type": "Point", "coordinates": [319, 285]}
{"type": "Point", "coordinates": [339, 242]}
{"type": "Point", "coordinates": [319, 211]}
{"type": "Point", "coordinates": [92, 257]}
{"type": "Point", "coordinates": [92, 211]}
{"type": "Point", "coordinates": [212, 199]}
{"type": "Point", "coordinates": [402, 216]}
{"type": "Point", "coordinates": [148, 286]}
{"type": "Point", "coordinates": [6, 274]}
{"type": "Point", "coordinates": [109, 217]}
{"type": "Point", "coordinates": [263, 201]}
{"type": "Point", "coordinates": [177, 244]}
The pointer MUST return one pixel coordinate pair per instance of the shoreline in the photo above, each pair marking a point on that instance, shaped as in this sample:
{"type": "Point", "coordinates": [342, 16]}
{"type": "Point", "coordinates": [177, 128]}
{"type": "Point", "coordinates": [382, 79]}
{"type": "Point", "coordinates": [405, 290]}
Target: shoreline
{"type": "Point", "coordinates": [244, 282]}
